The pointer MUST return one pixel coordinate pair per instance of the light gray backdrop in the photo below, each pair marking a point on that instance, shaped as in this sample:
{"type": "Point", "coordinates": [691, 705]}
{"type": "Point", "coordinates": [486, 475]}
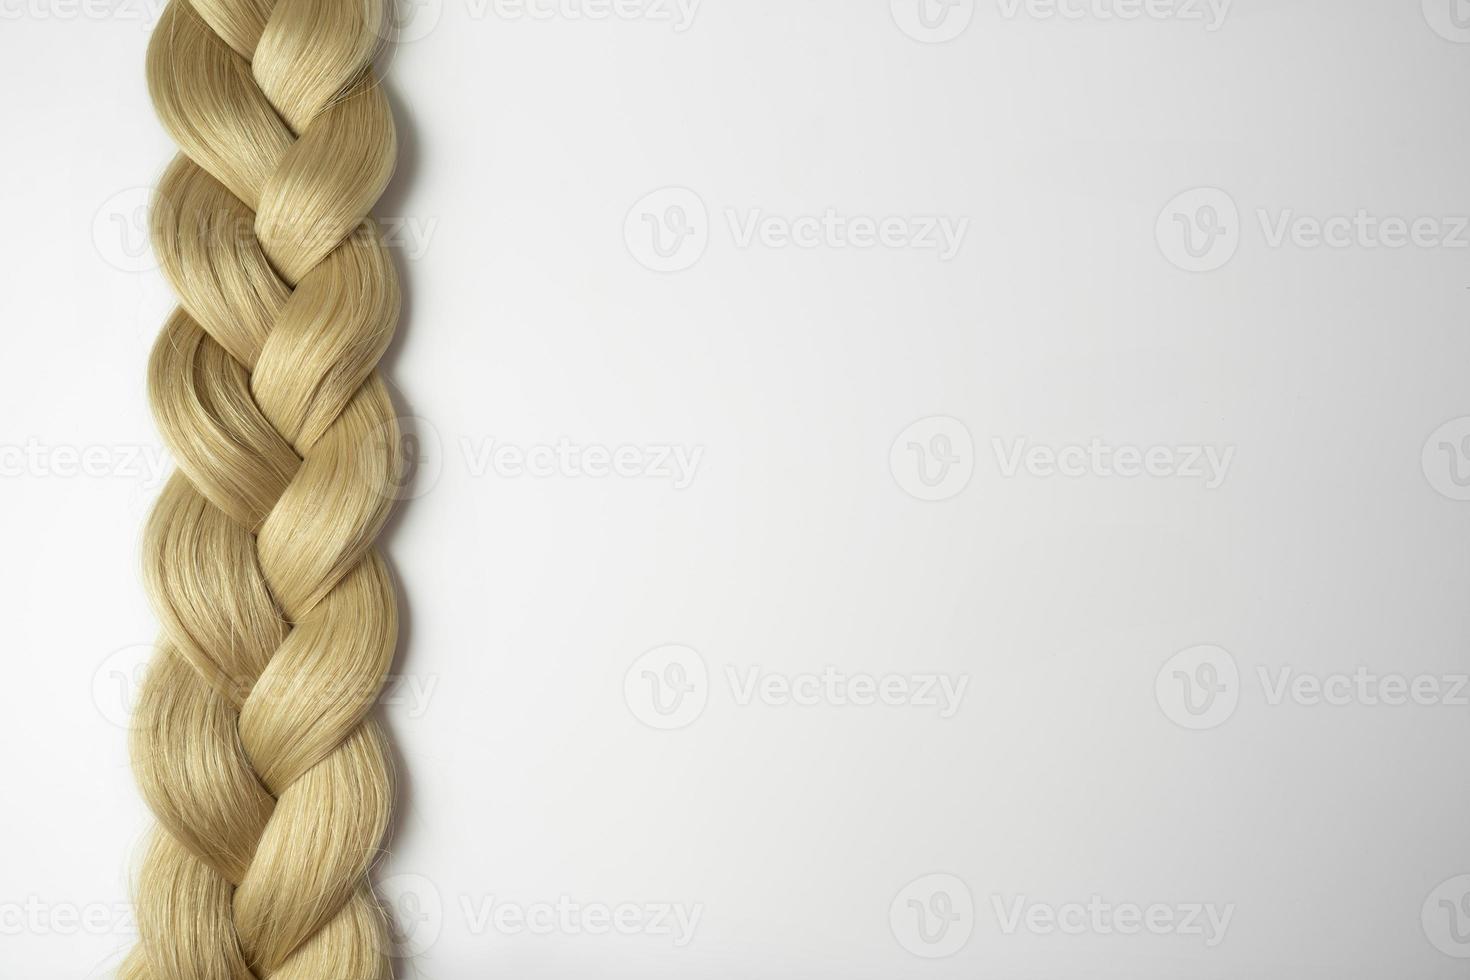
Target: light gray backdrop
{"type": "Point", "coordinates": [908, 490]}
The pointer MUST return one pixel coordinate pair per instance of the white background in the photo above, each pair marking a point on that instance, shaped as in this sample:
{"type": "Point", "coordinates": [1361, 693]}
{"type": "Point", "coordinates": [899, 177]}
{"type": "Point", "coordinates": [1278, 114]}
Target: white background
{"type": "Point", "coordinates": [1334, 541]}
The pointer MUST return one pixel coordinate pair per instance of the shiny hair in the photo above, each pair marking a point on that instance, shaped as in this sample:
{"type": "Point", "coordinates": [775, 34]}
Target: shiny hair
{"type": "Point", "coordinates": [252, 739]}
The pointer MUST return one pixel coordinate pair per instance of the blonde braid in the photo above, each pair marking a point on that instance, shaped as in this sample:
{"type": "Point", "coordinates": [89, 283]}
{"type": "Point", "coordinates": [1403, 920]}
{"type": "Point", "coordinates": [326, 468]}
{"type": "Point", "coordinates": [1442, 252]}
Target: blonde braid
{"type": "Point", "coordinates": [251, 738]}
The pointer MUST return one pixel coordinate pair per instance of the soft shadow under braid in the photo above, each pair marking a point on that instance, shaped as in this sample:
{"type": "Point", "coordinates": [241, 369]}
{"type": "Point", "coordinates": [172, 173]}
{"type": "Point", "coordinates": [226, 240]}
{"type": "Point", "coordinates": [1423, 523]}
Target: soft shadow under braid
{"type": "Point", "coordinates": [251, 737]}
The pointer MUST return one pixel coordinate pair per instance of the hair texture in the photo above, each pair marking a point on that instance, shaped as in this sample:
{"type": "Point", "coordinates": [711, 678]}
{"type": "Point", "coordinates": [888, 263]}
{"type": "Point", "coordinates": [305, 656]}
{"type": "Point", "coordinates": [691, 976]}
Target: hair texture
{"type": "Point", "coordinates": [251, 737]}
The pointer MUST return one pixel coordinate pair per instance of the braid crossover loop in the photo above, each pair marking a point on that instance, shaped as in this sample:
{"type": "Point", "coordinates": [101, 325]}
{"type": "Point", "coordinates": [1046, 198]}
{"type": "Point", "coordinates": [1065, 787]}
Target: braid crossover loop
{"type": "Point", "coordinates": [251, 739]}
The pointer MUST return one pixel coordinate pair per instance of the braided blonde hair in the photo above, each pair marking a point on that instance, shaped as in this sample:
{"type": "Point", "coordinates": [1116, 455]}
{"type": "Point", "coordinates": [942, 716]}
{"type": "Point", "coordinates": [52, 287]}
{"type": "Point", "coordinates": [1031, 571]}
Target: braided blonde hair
{"type": "Point", "coordinates": [252, 741]}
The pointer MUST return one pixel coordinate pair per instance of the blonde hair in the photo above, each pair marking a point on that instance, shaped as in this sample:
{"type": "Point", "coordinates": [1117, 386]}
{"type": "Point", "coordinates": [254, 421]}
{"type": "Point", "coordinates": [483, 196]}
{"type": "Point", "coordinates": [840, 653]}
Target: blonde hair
{"type": "Point", "coordinates": [252, 741]}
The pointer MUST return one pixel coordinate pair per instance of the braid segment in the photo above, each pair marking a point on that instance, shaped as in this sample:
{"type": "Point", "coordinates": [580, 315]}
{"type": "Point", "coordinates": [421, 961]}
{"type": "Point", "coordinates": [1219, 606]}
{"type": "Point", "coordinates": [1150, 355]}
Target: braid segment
{"type": "Point", "coordinates": [252, 741]}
